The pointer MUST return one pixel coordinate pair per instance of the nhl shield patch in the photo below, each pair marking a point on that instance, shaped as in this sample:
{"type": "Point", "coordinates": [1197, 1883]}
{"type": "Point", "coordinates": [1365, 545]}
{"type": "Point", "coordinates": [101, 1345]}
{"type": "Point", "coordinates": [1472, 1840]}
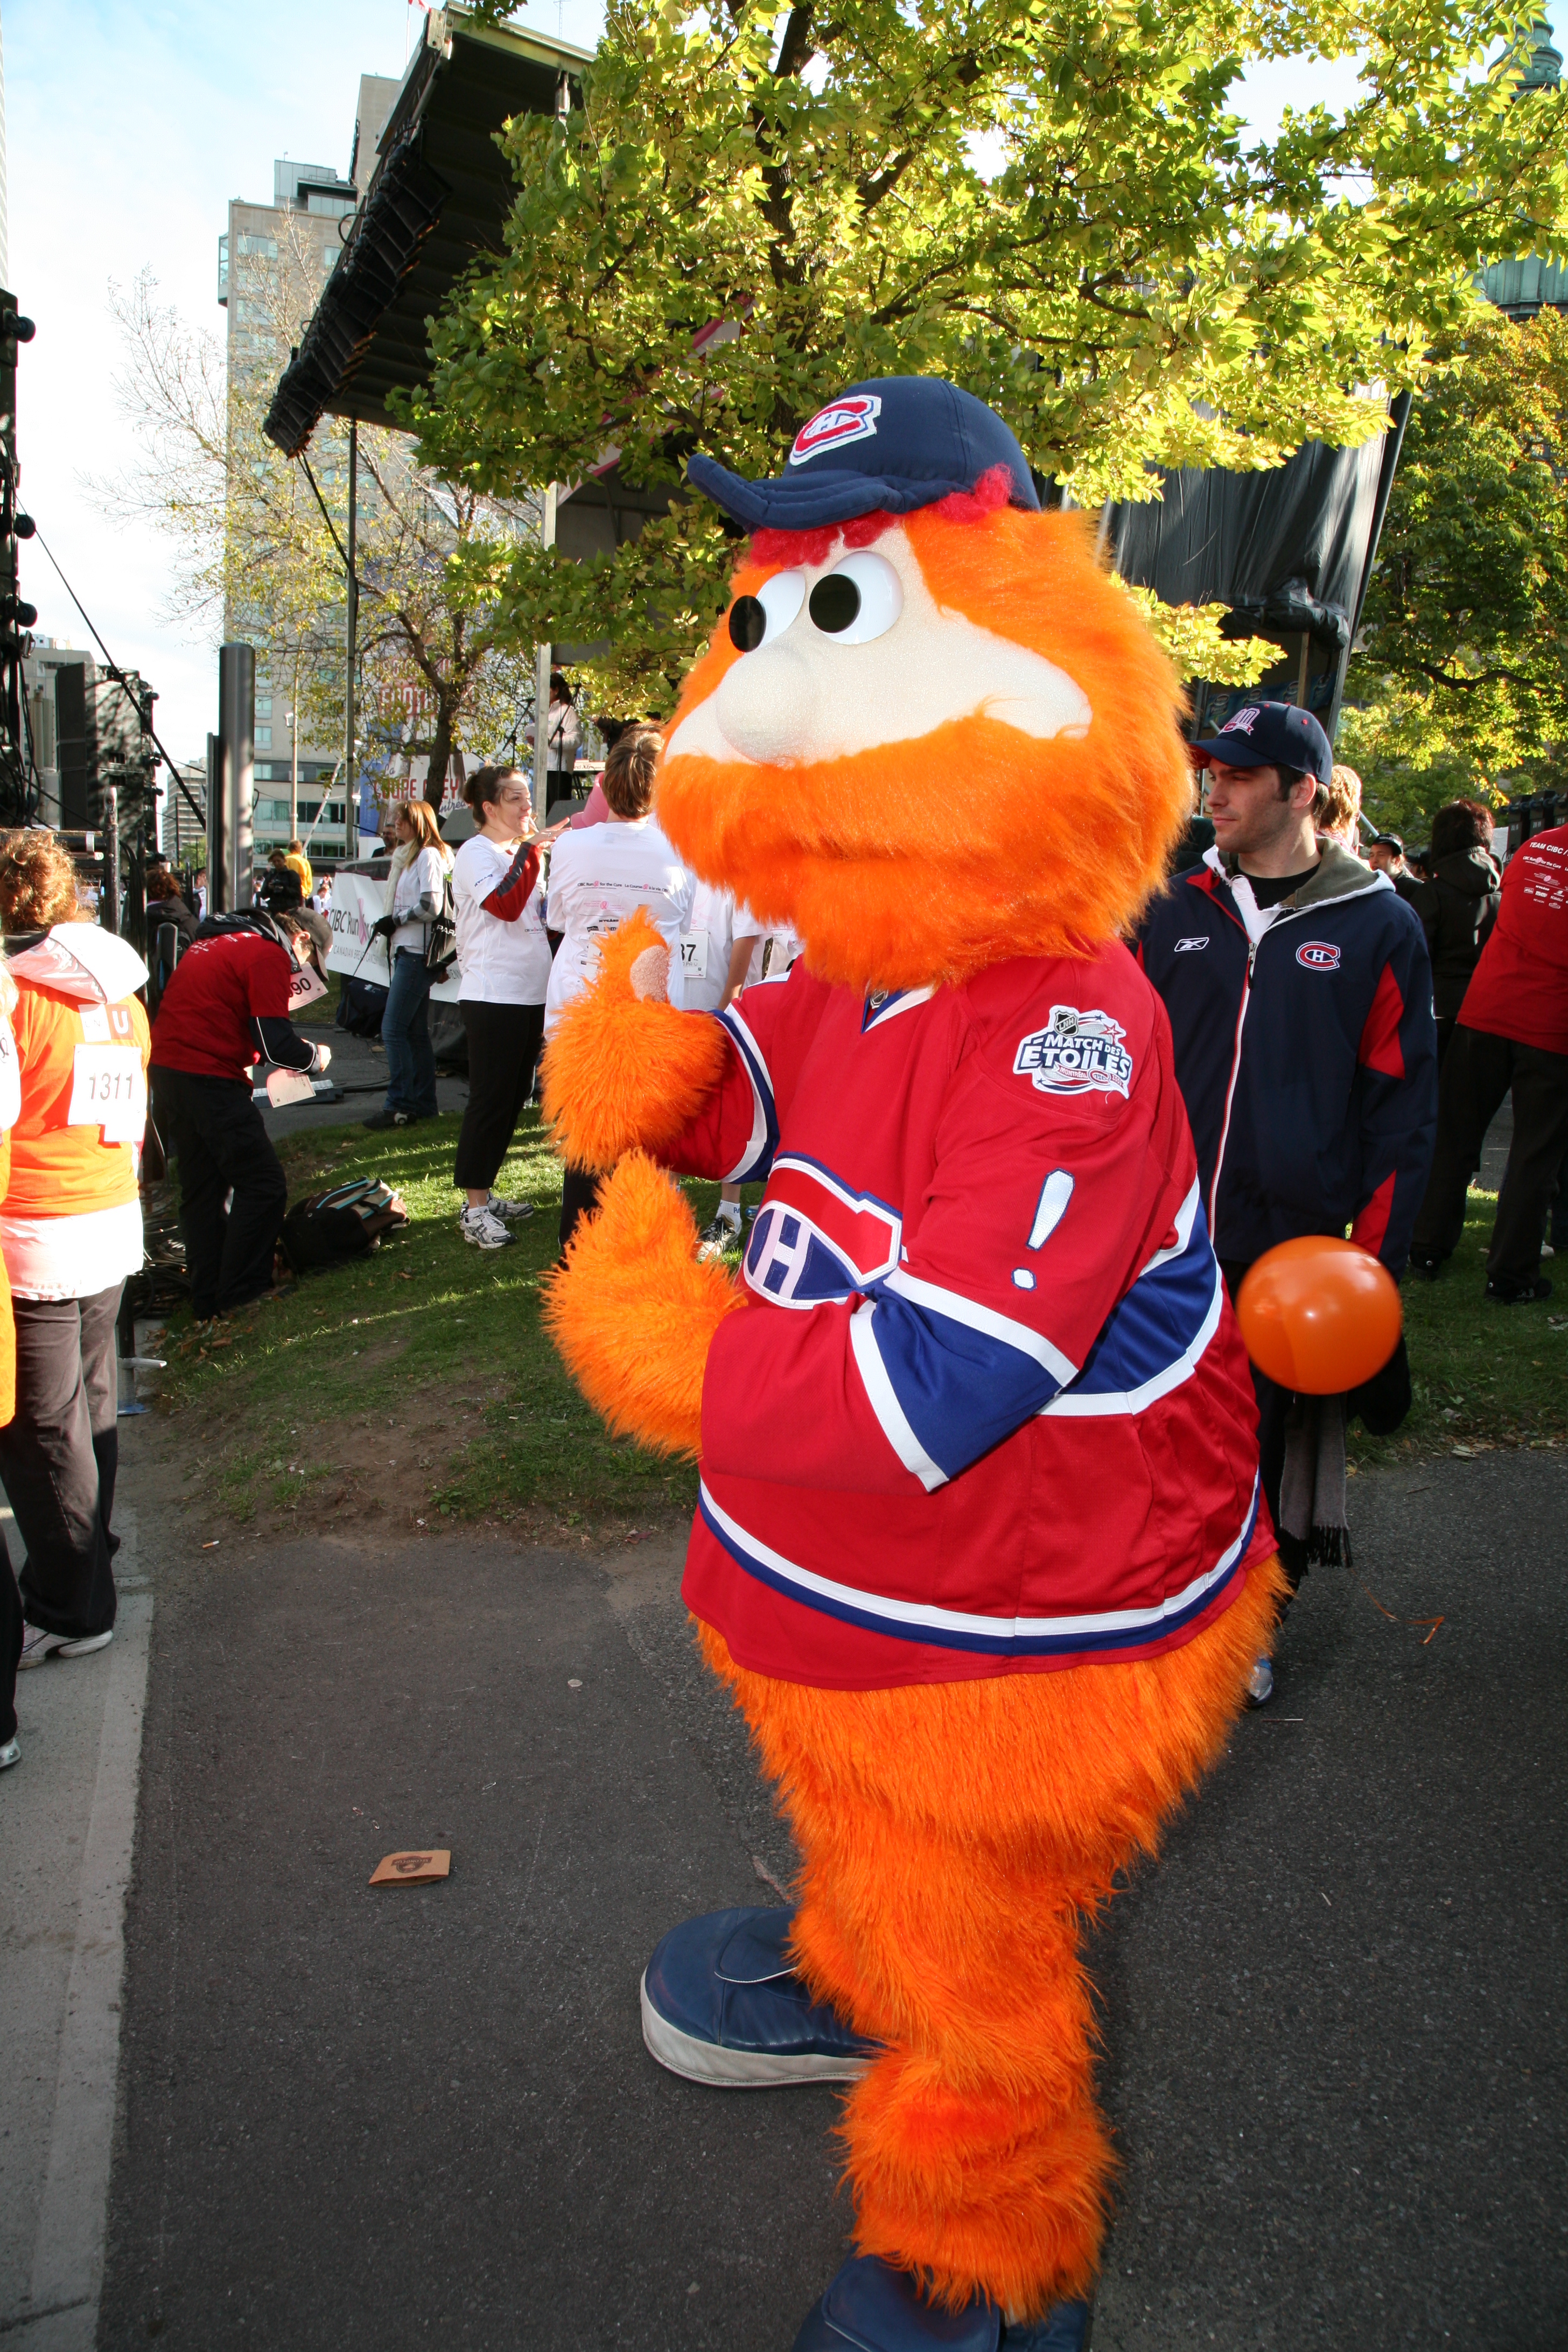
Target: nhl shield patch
{"type": "Point", "coordinates": [1077, 1053]}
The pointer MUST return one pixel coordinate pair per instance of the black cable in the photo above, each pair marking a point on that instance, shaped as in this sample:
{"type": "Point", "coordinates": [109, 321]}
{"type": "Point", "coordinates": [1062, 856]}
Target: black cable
{"type": "Point", "coordinates": [118, 675]}
{"type": "Point", "coordinates": [342, 552]}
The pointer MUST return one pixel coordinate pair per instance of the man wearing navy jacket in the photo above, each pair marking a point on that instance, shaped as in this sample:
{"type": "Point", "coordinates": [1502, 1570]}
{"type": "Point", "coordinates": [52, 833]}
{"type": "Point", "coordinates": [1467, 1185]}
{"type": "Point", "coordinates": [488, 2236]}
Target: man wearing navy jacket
{"type": "Point", "coordinates": [1299, 995]}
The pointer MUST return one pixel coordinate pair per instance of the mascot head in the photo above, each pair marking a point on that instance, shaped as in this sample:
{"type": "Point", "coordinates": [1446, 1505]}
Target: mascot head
{"type": "Point", "coordinates": [931, 733]}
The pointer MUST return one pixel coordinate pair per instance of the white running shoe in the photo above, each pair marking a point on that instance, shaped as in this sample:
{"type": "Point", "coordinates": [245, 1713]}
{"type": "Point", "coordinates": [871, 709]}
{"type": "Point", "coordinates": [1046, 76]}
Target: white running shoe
{"type": "Point", "coordinates": [513, 1212]}
{"type": "Point", "coordinates": [10, 1753]}
{"type": "Point", "coordinates": [37, 1645]}
{"type": "Point", "coordinates": [486, 1232]}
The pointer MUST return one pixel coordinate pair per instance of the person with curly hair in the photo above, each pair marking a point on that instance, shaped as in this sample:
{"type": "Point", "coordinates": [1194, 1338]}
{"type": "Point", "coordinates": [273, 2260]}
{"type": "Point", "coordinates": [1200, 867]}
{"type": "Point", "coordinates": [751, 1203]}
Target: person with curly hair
{"type": "Point", "coordinates": [71, 1230]}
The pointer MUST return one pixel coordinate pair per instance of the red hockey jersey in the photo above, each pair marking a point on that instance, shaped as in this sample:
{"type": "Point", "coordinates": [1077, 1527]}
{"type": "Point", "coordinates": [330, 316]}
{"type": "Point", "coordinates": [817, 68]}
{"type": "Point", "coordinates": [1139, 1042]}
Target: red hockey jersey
{"type": "Point", "coordinates": [986, 1410]}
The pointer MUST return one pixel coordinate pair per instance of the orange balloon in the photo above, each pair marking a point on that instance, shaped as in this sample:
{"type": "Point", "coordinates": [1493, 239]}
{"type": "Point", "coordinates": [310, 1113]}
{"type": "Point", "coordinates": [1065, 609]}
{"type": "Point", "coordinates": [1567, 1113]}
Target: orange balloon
{"type": "Point", "coordinates": [1319, 1315]}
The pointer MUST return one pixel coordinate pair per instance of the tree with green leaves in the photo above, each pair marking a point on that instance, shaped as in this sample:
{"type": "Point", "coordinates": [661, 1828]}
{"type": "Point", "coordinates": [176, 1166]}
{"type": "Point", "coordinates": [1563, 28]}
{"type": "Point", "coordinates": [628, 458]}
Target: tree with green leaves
{"type": "Point", "coordinates": [1464, 655]}
{"type": "Point", "coordinates": [1055, 202]}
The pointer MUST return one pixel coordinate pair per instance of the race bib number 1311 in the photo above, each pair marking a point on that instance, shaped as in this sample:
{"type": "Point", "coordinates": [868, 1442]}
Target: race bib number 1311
{"type": "Point", "coordinates": [109, 1089]}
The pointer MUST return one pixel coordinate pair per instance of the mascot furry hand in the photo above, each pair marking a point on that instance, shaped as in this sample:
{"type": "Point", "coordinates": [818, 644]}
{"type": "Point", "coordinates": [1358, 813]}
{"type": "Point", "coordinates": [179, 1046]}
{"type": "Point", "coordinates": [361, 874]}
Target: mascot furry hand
{"type": "Point", "coordinates": [979, 1547]}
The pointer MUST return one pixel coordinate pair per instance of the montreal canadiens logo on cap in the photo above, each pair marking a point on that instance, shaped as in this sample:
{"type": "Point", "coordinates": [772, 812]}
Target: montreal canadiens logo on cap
{"type": "Point", "coordinates": [853, 418]}
{"type": "Point", "coordinates": [1318, 955]}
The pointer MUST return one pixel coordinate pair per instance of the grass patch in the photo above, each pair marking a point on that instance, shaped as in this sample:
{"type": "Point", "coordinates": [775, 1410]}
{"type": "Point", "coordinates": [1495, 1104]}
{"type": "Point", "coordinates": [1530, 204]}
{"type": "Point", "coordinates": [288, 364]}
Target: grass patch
{"type": "Point", "coordinates": [417, 1382]}
{"type": "Point", "coordinates": [1483, 1375]}
{"type": "Point", "coordinates": [417, 1385]}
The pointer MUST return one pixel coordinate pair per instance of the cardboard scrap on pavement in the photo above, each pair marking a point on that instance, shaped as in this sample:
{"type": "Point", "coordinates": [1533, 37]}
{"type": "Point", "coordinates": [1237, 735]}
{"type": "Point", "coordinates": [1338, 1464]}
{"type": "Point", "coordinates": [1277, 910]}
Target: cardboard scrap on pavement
{"type": "Point", "coordinates": [412, 1869]}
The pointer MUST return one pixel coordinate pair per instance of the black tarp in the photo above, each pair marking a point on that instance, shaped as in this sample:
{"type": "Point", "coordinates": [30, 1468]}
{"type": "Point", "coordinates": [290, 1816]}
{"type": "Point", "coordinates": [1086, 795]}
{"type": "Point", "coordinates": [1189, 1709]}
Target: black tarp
{"type": "Point", "coordinates": [1284, 550]}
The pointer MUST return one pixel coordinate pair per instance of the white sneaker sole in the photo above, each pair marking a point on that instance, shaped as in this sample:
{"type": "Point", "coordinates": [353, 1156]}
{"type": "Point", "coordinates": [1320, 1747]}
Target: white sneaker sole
{"type": "Point", "coordinates": [478, 1241]}
{"type": "Point", "coordinates": [737, 2070]}
{"type": "Point", "coordinates": [83, 1649]}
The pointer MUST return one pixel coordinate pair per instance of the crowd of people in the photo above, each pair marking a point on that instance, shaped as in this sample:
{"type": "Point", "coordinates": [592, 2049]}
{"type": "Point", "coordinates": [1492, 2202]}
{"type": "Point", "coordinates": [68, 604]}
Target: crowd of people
{"type": "Point", "coordinates": [1363, 1110]}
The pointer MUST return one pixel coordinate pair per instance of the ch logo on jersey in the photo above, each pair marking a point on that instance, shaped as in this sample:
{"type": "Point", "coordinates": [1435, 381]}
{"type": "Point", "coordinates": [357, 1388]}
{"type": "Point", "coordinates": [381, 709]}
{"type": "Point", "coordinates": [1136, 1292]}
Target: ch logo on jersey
{"type": "Point", "coordinates": [1076, 1053]}
{"type": "Point", "coordinates": [1189, 946]}
{"type": "Point", "coordinates": [1318, 955]}
{"type": "Point", "coordinates": [814, 1239]}
{"type": "Point", "coordinates": [853, 418]}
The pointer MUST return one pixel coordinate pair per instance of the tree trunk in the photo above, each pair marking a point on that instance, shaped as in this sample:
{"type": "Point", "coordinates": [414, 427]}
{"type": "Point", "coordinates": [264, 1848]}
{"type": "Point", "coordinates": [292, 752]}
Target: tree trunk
{"type": "Point", "coordinates": [440, 753]}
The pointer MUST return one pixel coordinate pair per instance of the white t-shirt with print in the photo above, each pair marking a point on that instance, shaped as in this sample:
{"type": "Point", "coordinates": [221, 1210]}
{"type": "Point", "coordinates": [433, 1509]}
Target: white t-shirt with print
{"type": "Point", "coordinates": [497, 963]}
{"type": "Point", "coordinates": [717, 921]}
{"type": "Point", "coordinates": [597, 878]}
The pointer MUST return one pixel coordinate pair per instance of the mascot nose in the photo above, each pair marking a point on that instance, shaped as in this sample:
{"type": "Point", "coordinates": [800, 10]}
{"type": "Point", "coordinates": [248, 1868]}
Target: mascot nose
{"type": "Point", "coordinates": [766, 704]}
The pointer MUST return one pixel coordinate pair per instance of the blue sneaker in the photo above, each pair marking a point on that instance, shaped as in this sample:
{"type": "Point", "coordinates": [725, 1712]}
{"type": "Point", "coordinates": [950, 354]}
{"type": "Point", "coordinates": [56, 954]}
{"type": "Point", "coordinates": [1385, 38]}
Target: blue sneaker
{"type": "Point", "coordinates": [720, 2003]}
{"type": "Point", "coordinates": [871, 2307]}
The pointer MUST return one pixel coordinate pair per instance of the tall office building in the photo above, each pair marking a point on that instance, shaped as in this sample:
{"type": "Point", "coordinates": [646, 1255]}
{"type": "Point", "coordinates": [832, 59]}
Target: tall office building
{"type": "Point", "coordinates": [273, 260]}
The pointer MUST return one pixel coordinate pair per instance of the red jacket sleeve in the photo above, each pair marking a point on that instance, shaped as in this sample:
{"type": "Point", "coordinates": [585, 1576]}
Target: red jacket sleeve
{"type": "Point", "coordinates": [770, 1028]}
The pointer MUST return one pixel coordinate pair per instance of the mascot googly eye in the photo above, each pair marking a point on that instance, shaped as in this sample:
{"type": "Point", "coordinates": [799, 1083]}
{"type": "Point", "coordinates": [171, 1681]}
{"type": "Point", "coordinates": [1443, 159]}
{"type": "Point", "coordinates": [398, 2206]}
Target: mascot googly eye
{"type": "Point", "coordinates": [979, 1547]}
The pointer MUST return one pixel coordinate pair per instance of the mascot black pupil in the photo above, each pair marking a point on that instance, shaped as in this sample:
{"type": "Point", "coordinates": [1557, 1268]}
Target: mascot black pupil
{"type": "Point", "coordinates": [833, 604]}
{"type": "Point", "coordinates": [748, 623]}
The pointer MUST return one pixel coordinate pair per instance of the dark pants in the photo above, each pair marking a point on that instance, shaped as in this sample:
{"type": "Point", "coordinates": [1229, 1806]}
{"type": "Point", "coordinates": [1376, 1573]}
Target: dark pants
{"type": "Point", "coordinates": [579, 1196]}
{"type": "Point", "coordinates": [215, 1132]}
{"type": "Point", "coordinates": [1273, 1404]}
{"type": "Point", "coordinates": [405, 1034]}
{"type": "Point", "coordinates": [1477, 1072]}
{"type": "Point", "coordinates": [503, 1046]}
{"type": "Point", "coordinates": [59, 1457]}
{"type": "Point", "coordinates": [11, 1632]}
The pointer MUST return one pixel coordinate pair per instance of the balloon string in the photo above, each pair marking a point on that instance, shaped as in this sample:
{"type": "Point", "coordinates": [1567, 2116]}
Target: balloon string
{"type": "Point", "coordinates": [1395, 1619]}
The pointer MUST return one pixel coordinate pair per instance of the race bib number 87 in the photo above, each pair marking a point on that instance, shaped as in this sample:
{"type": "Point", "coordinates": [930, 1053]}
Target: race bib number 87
{"type": "Point", "coordinates": [109, 1089]}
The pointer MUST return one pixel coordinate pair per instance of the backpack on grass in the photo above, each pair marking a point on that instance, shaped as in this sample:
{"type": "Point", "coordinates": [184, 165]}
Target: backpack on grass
{"type": "Point", "coordinates": [345, 1222]}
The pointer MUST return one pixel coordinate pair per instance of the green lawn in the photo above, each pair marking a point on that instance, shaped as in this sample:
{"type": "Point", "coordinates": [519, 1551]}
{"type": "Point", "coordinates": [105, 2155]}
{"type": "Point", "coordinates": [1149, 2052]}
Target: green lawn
{"type": "Point", "coordinates": [418, 1383]}
{"type": "Point", "coordinates": [1483, 1375]}
{"type": "Point", "coordinates": [415, 1380]}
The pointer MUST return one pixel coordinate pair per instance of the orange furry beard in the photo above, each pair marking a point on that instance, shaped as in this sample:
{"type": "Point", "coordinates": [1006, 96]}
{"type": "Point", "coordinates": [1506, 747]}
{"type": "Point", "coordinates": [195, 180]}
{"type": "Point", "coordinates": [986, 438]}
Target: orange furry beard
{"type": "Point", "coordinates": [925, 860]}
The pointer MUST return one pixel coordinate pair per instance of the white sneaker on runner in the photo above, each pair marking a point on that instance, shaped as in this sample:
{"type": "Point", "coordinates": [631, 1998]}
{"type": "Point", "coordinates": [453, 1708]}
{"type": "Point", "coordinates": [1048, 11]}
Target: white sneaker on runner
{"type": "Point", "coordinates": [37, 1645]}
{"type": "Point", "coordinates": [10, 1754]}
{"type": "Point", "coordinates": [485, 1231]}
{"type": "Point", "coordinates": [723, 1233]}
{"type": "Point", "coordinates": [513, 1212]}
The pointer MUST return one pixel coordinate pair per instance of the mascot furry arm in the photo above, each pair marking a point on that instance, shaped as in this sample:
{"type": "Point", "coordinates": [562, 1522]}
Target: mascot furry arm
{"type": "Point", "coordinates": [979, 1549]}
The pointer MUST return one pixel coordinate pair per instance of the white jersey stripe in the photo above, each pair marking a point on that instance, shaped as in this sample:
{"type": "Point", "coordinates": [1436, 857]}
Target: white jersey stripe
{"type": "Point", "coordinates": [883, 1400]}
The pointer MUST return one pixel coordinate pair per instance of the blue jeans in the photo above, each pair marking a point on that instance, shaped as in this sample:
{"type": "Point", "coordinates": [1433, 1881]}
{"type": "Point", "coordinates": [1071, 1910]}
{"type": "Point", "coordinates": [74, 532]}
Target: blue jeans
{"type": "Point", "coordinates": [405, 1034]}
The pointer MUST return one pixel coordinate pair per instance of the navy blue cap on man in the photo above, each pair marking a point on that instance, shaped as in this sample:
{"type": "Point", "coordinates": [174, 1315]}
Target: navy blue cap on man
{"type": "Point", "coordinates": [897, 443]}
{"type": "Point", "coordinates": [1271, 735]}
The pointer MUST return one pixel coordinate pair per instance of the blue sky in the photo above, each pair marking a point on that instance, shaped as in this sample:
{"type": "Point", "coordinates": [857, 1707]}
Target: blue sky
{"type": "Point", "coordinates": [128, 128]}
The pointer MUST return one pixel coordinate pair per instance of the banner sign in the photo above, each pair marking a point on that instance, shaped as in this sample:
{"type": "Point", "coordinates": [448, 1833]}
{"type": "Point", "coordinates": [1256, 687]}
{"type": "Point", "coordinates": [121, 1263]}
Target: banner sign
{"type": "Point", "coordinates": [358, 901]}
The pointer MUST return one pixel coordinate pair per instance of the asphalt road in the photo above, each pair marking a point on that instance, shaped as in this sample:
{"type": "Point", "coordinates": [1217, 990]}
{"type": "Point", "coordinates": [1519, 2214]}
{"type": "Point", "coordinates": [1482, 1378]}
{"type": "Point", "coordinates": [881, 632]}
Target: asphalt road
{"type": "Point", "coordinates": [355, 2118]}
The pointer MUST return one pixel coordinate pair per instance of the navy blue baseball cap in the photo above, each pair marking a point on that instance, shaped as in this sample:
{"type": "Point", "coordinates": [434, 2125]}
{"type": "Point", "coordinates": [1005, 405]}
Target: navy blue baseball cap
{"type": "Point", "coordinates": [1271, 735]}
{"type": "Point", "coordinates": [898, 442]}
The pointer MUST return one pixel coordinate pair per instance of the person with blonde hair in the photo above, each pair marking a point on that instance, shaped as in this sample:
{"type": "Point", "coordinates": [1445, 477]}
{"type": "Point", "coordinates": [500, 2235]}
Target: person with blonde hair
{"type": "Point", "coordinates": [1336, 808]}
{"type": "Point", "coordinates": [71, 1230]}
{"type": "Point", "coordinates": [417, 889]}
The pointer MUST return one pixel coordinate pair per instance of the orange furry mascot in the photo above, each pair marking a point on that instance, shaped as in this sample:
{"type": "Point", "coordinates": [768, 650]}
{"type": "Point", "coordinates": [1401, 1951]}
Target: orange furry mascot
{"type": "Point", "coordinates": [979, 1547]}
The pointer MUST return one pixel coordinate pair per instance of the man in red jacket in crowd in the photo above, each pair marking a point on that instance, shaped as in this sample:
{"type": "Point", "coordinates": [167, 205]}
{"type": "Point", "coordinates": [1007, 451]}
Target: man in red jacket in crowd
{"type": "Point", "coordinates": [1512, 1034]}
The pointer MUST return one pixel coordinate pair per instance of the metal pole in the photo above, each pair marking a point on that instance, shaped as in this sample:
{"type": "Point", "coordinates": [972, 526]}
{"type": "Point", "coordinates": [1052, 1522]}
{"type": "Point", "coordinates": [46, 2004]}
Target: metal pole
{"type": "Point", "coordinates": [109, 908]}
{"type": "Point", "coordinates": [541, 680]}
{"type": "Point", "coordinates": [350, 812]}
{"type": "Point", "coordinates": [233, 873]}
{"type": "Point", "coordinates": [294, 759]}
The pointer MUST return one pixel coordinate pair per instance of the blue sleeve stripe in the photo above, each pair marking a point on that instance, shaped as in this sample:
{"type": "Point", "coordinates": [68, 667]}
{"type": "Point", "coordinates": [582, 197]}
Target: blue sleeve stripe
{"type": "Point", "coordinates": [953, 1388]}
{"type": "Point", "coordinates": [1154, 1339]}
{"type": "Point", "coordinates": [758, 1156]}
{"type": "Point", "coordinates": [954, 1308]}
{"type": "Point", "coordinates": [884, 1401]}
